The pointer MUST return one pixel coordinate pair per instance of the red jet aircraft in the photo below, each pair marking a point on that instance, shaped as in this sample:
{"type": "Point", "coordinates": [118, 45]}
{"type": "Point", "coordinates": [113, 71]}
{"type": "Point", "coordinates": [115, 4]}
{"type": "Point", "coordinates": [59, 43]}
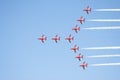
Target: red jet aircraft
{"type": "Point", "coordinates": [81, 20]}
{"type": "Point", "coordinates": [75, 48]}
{"type": "Point", "coordinates": [56, 38]}
{"type": "Point", "coordinates": [76, 28]}
{"type": "Point", "coordinates": [42, 38]}
{"type": "Point", "coordinates": [84, 65]}
{"type": "Point", "coordinates": [80, 56]}
{"type": "Point", "coordinates": [69, 38]}
{"type": "Point", "coordinates": [87, 9]}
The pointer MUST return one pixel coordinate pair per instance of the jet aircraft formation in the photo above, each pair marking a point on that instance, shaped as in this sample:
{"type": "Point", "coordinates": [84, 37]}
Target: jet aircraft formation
{"type": "Point", "coordinates": [70, 38]}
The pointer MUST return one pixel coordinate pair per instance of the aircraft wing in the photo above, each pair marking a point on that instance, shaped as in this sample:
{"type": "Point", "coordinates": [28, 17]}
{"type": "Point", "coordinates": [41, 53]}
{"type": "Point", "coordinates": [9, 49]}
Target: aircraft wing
{"type": "Point", "coordinates": [70, 41]}
{"type": "Point", "coordinates": [42, 41]}
{"type": "Point", "coordinates": [56, 41]}
{"type": "Point", "coordinates": [75, 51]}
{"type": "Point", "coordinates": [84, 67]}
{"type": "Point", "coordinates": [79, 59]}
{"type": "Point", "coordinates": [87, 12]}
{"type": "Point", "coordinates": [76, 31]}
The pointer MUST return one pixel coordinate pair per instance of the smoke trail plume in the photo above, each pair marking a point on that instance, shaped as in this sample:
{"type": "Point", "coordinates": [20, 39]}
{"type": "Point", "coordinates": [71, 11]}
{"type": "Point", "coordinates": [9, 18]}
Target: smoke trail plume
{"type": "Point", "coordinates": [102, 28]}
{"type": "Point", "coordinates": [106, 64]}
{"type": "Point", "coordinates": [110, 10]}
{"type": "Point", "coordinates": [104, 56]}
{"type": "Point", "coordinates": [101, 48]}
{"type": "Point", "coordinates": [104, 20]}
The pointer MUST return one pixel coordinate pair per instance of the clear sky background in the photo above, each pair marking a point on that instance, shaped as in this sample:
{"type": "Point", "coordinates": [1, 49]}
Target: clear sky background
{"type": "Point", "coordinates": [23, 57]}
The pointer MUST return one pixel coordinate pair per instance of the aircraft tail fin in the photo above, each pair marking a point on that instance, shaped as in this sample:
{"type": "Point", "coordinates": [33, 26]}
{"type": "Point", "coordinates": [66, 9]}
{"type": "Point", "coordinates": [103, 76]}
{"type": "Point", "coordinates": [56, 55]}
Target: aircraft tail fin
{"type": "Point", "coordinates": [76, 57]}
{"type": "Point", "coordinates": [45, 38]}
{"type": "Point", "coordinates": [52, 38]}
{"type": "Point", "coordinates": [84, 20]}
{"type": "Point", "coordinates": [65, 38]}
{"type": "Point", "coordinates": [77, 48]}
{"type": "Point", "coordinates": [73, 29]}
{"type": "Point", "coordinates": [79, 28]}
{"type": "Point", "coordinates": [72, 38]}
{"type": "Point", "coordinates": [38, 38]}
{"type": "Point", "coordinates": [90, 9]}
{"type": "Point", "coordinates": [59, 38]}
{"type": "Point", "coordinates": [71, 48]}
{"type": "Point", "coordinates": [82, 57]}
{"type": "Point", "coordinates": [86, 64]}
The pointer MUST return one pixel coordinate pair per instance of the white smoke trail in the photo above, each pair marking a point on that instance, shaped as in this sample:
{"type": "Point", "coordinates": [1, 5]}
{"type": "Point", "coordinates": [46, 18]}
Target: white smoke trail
{"type": "Point", "coordinates": [106, 64]}
{"type": "Point", "coordinates": [102, 28]}
{"type": "Point", "coordinates": [101, 48]}
{"type": "Point", "coordinates": [111, 10]}
{"type": "Point", "coordinates": [105, 20]}
{"type": "Point", "coordinates": [104, 56]}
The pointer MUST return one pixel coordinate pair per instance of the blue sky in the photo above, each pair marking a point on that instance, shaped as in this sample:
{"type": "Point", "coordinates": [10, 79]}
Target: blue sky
{"type": "Point", "coordinates": [23, 57]}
